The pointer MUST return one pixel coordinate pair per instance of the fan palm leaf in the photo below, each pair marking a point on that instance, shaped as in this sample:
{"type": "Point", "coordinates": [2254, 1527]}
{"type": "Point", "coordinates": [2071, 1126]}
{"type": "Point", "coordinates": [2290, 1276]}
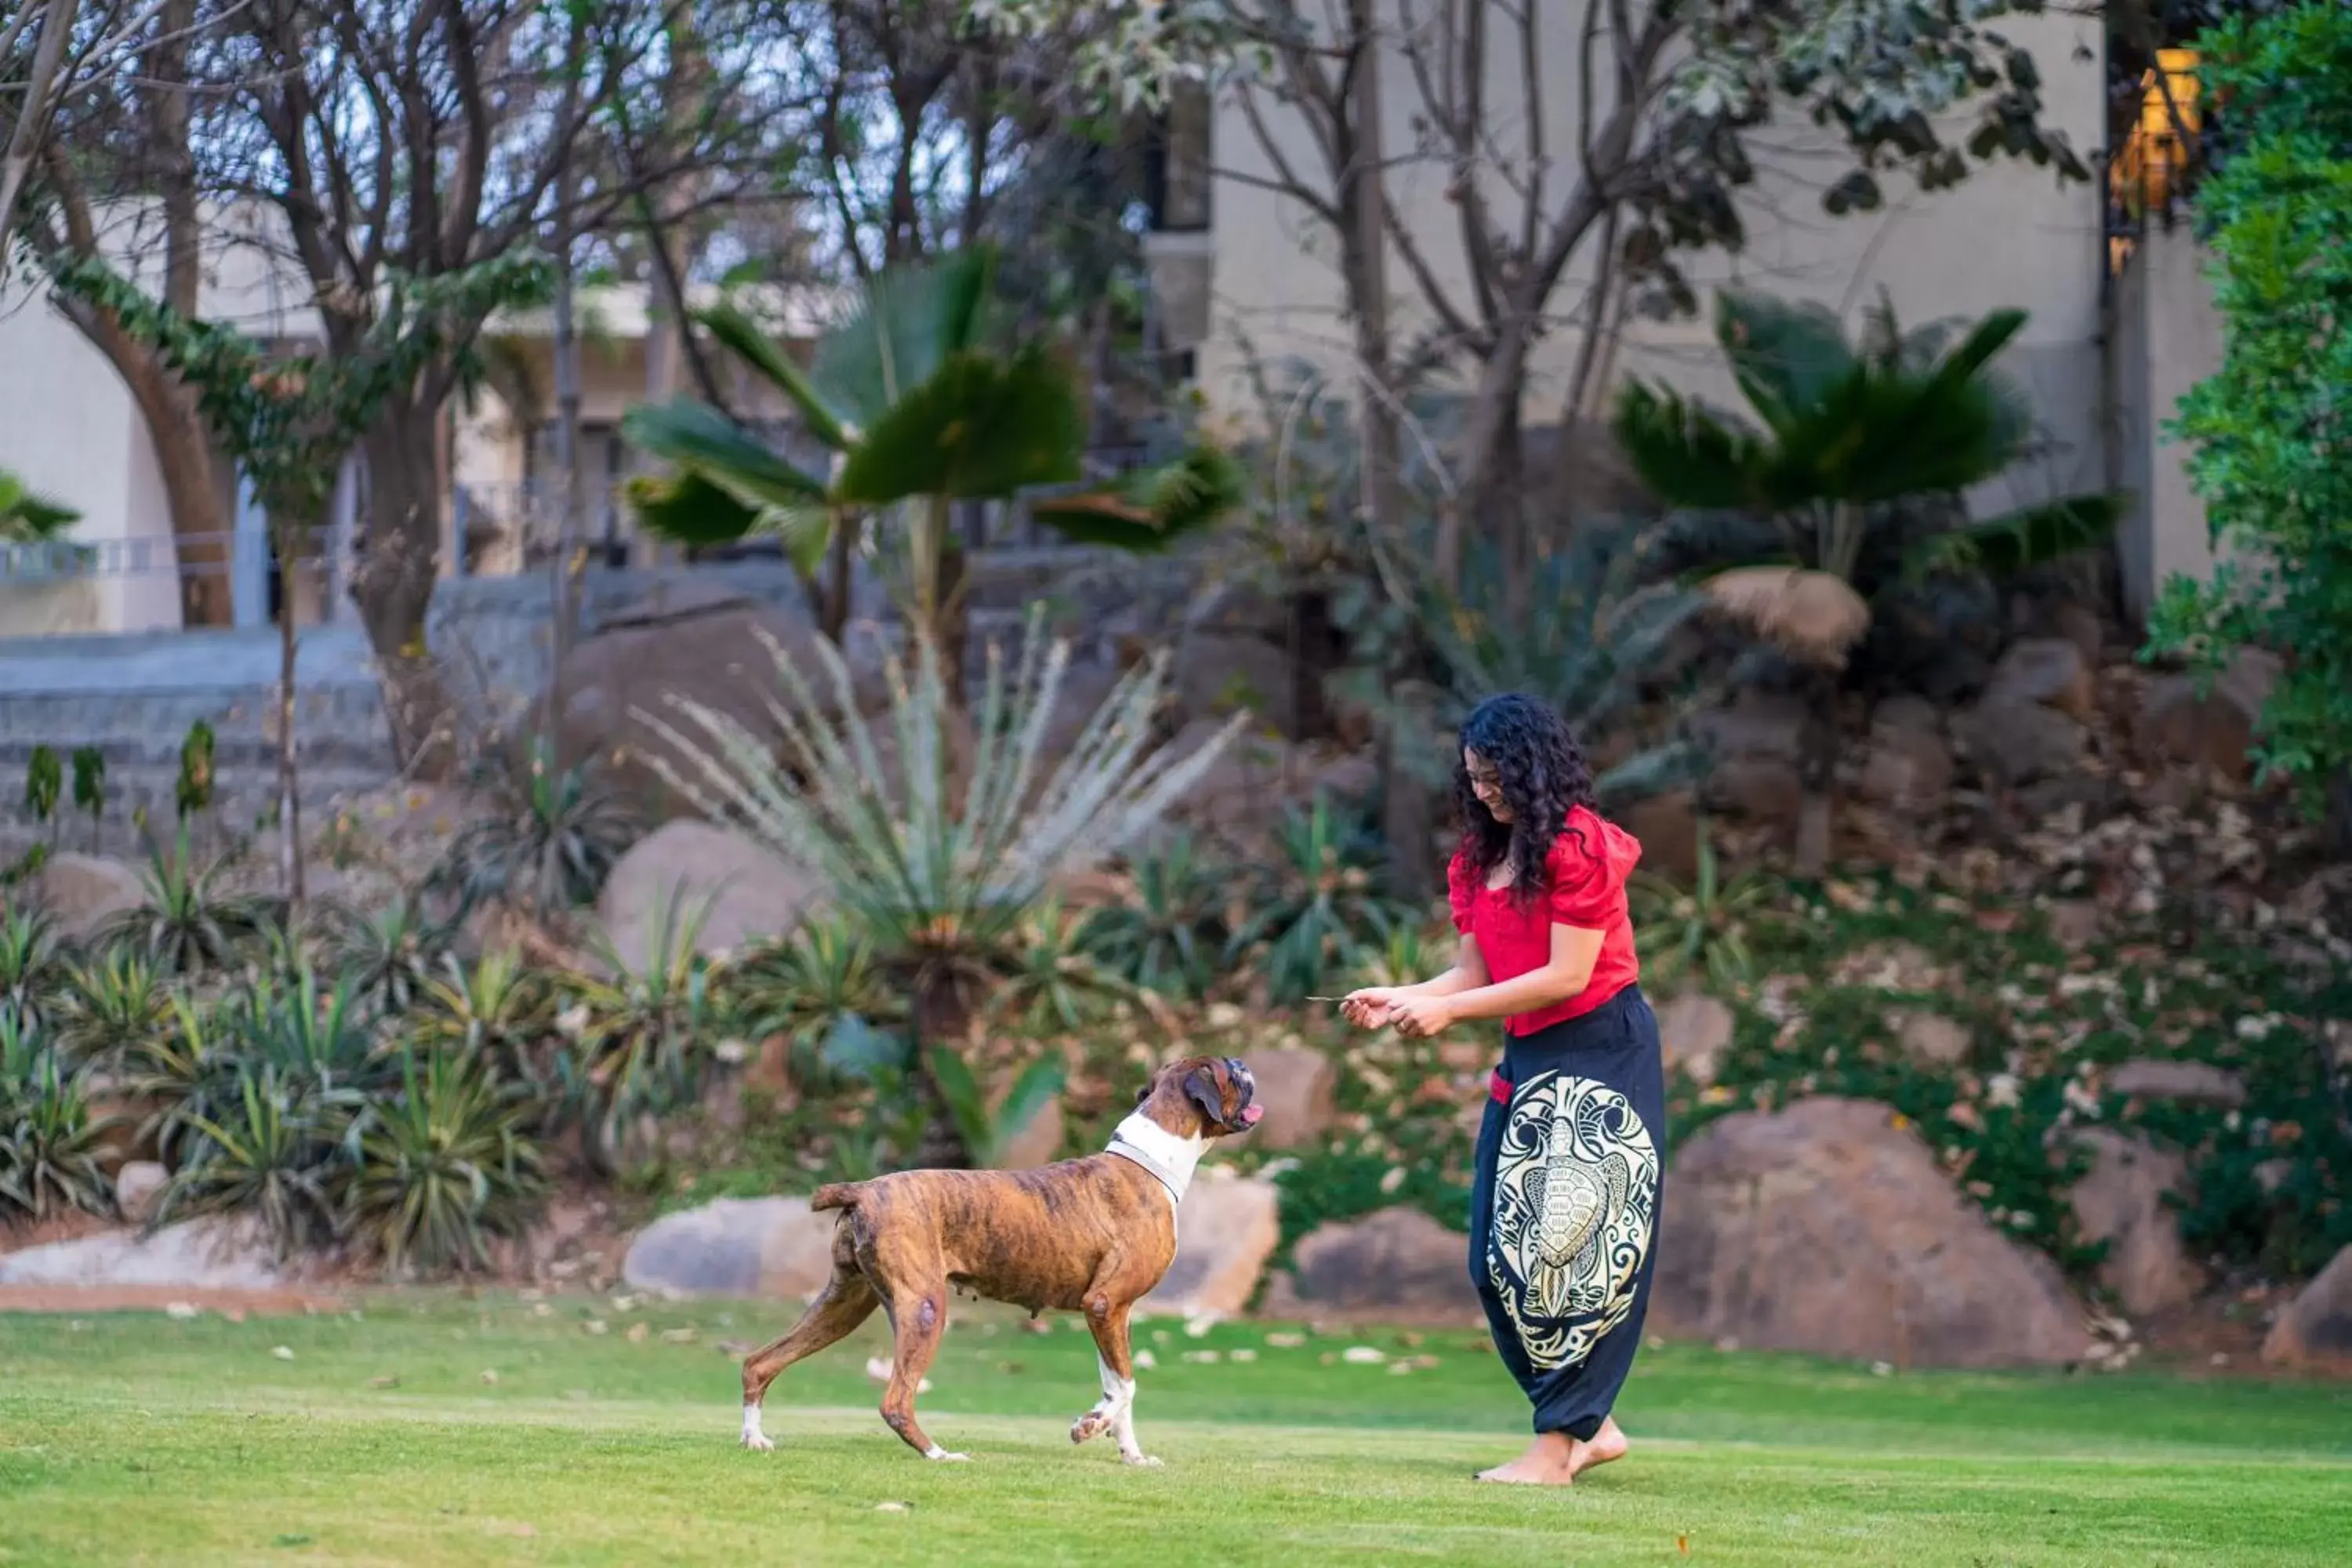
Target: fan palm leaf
{"type": "Point", "coordinates": [1149, 510]}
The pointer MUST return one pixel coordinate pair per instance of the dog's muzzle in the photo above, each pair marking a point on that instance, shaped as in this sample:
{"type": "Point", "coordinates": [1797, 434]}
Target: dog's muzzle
{"type": "Point", "coordinates": [1249, 1112]}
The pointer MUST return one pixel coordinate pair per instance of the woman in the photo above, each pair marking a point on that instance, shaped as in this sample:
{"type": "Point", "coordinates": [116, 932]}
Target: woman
{"type": "Point", "coordinates": [1564, 1202]}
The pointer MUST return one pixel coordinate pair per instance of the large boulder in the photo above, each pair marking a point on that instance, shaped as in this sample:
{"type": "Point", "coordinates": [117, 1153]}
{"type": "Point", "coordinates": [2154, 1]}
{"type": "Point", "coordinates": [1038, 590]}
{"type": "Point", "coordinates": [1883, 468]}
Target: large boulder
{"type": "Point", "coordinates": [2050, 671]}
{"type": "Point", "coordinates": [2014, 742]}
{"type": "Point", "coordinates": [1395, 1266]}
{"type": "Point", "coordinates": [1754, 745]}
{"type": "Point", "coordinates": [82, 892]}
{"type": "Point", "coordinates": [2211, 728]}
{"type": "Point", "coordinates": [2316, 1329]}
{"type": "Point", "coordinates": [743, 892]}
{"type": "Point", "coordinates": [1907, 765]}
{"type": "Point", "coordinates": [1828, 1227]}
{"type": "Point", "coordinates": [699, 643]}
{"type": "Point", "coordinates": [200, 1255]}
{"type": "Point", "coordinates": [2124, 1200]}
{"type": "Point", "coordinates": [734, 1246]}
{"type": "Point", "coordinates": [1226, 1231]}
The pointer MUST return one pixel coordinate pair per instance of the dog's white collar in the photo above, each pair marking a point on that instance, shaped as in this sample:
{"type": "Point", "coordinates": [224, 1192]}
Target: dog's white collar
{"type": "Point", "coordinates": [1164, 1154]}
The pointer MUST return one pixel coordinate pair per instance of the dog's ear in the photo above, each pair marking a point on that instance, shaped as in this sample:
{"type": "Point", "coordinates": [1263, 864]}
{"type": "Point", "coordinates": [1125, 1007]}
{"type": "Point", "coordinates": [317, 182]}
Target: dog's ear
{"type": "Point", "coordinates": [1143, 1094]}
{"type": "Point", "coordinates": [1201, 1089]}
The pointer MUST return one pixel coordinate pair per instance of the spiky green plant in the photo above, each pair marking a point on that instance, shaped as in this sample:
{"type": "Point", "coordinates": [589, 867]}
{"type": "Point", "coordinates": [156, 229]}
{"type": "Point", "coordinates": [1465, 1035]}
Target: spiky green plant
{"type": "Point", "coordinates": [497, 1009]}
{"type": "Point", "coordinates": [1053, 981]}
{"type": "Point", "coordinates": [387, 956]}
{"type": "Point", "coordinates": [109, 1007]}
{"type": "Point", "coordinates": [939, 871]}
{"type": "Point", "coordinates": [50, 1142]}
{"type": "Point", "coordinates": [188, 922]}
{"type": "Point", "coordinates": [1319, 908]}
{"type": "Point", "coordinates": [803, 985]}
{"type": "Point", "coordinates": [436, 1168]}
{"type": "Point", "coordinates": [34, 964]}
{"type": "Point", "coordinates": [1167, 931]}
{"type": "Point", "coordinates": [271, 1150]}
{"type": "Point", "coordinates": [641, 1027]}
{"type": "Point", "coordinates": [552, 836]}
{"type": "Point", "coordinates": [1700, 932]}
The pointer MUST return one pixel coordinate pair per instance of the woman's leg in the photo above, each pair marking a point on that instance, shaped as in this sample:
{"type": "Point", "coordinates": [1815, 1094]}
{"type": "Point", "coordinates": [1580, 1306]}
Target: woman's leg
{"type": "Point", "coordinates": [1567, 1228]}
{"type": "Point", "coordinates": [1547, 1460]}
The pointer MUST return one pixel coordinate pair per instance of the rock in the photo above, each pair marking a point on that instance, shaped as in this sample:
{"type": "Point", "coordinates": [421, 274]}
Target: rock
{"type": "Point", "coordinates": [1226, 1231]}
{"type": "Point", "coordinates": [2050, 671]}
{"type": "Point", "coordinates": [1931, 1039]}
{"type": "Point", "coordinates": [2315, 1328]}
{"type": "Point", "coordinates": [1295, 1087]}
{"type": "Point", "coordinates": [199, 1254]}
{"type": "Point", "coordinates": [1216, 674]}
{"type": "Point", "coordinates": [1667, 827]}
{"type": "Point", "coordinates": [700, 645]}
{"type": "Point", "coordinates": [2121, 1201]}
{"type": "Point", "coordinates": [82, 892]}
{"type": "Point", "coordinates": [1239, 802]}
{"type": "Point", "coordinates": [2076, 924]}
{"type": "Point", "coordinates": [2215, 731]}
{"type": "Point", "coordinates": [1753, 747]}
{"type": "Point", "coordinates": [1763, 790]}
{"type": "Point", "coordinates": [2188, 1083]}
{"type": "Point", "coordinates": [1038, 1143]}
{"type": "Point", "coordinates": [735, 1247]}
{"type": "Point", "coordinates": [138, 1188]}
{"type": "Point", "coordinates": [1908, 766]}
{"type": "Point", "coordinates": [1826, 1228]}
{"type": "Point", "coordinates": [1398, 1265]}
{"type": "Point", "coordinates": [743, 892]}
{"type": "Point", "coordinates": [2014, 743]}
{"type": "Point", "coordinates": [1695, 1030]}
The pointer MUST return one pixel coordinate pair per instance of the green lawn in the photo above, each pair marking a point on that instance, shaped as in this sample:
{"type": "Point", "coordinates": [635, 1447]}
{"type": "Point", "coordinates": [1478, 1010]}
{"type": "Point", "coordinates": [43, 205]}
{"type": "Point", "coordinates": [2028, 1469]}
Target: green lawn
{"type": "Point", "coordinates": [443, 1430]}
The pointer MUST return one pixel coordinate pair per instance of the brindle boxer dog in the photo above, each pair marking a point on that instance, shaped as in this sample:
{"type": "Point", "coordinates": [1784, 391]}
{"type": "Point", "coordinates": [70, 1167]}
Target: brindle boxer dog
{"type": "Point", "coordinates": [1092, 1236]}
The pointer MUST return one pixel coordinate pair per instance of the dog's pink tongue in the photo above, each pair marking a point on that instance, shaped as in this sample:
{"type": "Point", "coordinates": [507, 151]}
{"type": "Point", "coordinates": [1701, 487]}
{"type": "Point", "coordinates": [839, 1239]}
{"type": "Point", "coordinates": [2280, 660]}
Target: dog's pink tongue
{"type": "Point", "coordinates": [1251, 1113]}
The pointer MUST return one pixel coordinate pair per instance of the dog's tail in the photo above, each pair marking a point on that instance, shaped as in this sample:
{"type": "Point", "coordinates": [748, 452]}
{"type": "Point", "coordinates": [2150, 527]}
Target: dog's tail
{"type": "Point", "coordinates": [837, 1196]}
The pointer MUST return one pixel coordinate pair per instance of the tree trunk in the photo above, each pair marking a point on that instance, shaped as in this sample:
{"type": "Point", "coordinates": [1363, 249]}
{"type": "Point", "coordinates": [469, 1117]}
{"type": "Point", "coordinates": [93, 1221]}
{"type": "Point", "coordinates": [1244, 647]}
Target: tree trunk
{"type": "Point", "coordinates": [395, 579]}
{"type": "Point", "coordinates": [286, 538]}
{"type": "Point", "coordinates": [1817, 762]}
{"type": "Point", "coordinates": [572, 508]}
{"type": "Point", "coordinates": [939, 1019]}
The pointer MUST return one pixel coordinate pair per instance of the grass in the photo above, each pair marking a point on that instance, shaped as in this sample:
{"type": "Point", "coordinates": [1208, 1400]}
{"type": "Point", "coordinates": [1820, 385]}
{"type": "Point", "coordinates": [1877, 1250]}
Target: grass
{"type": "Point", "coordinates": [437, 1430]}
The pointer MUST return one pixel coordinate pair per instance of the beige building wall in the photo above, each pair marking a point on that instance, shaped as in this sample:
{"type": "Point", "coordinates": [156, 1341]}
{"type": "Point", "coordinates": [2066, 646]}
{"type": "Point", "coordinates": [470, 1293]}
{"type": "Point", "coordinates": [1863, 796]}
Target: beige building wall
{"type": "Point", "coordinates": [2011, 235]}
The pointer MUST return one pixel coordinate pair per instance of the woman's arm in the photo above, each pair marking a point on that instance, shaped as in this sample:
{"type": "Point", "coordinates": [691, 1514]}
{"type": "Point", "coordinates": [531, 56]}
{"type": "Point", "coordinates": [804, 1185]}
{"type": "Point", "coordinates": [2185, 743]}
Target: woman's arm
{"type": "Point", "coordinates": [1370, 1007]}
{"type": "Point", "coordinates": [1574, 952]}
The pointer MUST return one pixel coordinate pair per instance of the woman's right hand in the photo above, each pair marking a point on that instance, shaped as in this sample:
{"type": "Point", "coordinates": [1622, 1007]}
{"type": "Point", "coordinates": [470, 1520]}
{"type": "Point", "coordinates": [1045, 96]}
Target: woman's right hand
{"type": "Point", "coordinates": [1368, 1008]}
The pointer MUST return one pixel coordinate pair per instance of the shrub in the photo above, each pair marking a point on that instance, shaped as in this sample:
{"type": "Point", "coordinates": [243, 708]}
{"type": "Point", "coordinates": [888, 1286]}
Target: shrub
{"type": "Point", "coordinates": [1168, 930]}
{"type": "Point", "coordinates": [440, 1165]}
{"type": "Point", "coordinates": [2270, 427]}
{"type": "Point", "coordinates": [1318, 910]}
{"type": "Point", "coordinates": [188, 922]}
{"type": "Point", "coordinates": [50, 1142]}
{"type": "Point", "coordinates": [555, 836]}
{"type": "Point", "coordinates": [109, 1007]}
{"type": "Point", "coordinates": [387, 956]}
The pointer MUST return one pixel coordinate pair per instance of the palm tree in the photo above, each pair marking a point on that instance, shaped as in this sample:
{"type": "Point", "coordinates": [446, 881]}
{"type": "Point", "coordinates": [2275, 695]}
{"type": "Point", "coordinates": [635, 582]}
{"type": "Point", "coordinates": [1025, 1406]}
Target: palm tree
{"type": "Point", "coordinates": [921, 405]}
{"type": "Point", "coordinates": [1855, 462]}
{"type": "Point", "coordinates": [27, 519]}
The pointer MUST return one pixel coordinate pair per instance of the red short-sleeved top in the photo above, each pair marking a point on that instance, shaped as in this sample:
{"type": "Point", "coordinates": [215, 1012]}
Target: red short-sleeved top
{"type": "Point", "coordinates": [1585, 887]}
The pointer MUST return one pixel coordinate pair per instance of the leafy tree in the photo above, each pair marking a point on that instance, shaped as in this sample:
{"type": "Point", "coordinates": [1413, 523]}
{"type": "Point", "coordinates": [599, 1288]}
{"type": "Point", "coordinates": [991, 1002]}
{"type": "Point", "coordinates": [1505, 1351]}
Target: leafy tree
{"type": "Point", "coordinates": [1856, 456]}
{"type": "Point", "coordinates": [291, 420]}
{"type": "Point", "coordinates": [923, 403]}
{"type": "Point", "coordinates": [2270, 425]}
{"type": "Point", "coordinates": [28, 519]}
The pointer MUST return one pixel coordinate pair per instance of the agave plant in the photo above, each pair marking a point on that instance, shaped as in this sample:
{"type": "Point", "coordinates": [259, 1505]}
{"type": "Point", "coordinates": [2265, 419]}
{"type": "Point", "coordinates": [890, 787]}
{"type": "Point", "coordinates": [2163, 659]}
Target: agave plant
{"type": "Point", "coordinates": [553, 837]}
{"type": "Point", "coordinates": [1168, 930]}
{"type": "Point", "coordinates": [499, 1010]}
{"type": "Point", "coordinates": [924, 401]}
{"type": "Point", "coordinates": [188, 922]}
{"type": "Point", "coordinates": [1855, 461]}
{"type": "Point", "coordinates": [939, 878]}
{"type": "Point", "coordinates": [271, 1150]}
{"type": "Point", "coordinates": [436, 1168]}
{"type": "Point", "coordinates": [33, 963]}
{"type": "Point", "coordinates": [640, 1026]}
{"type": "Point", "coordinates": [804, 986]}
{"type": "Point", "coordinates": [1319, 910]}
{"type": "Point", "coordinates": [387, 956]}
{"type": "Point", "coordinates": [111, 1006]}
{"type": "Point", "coordinates": [1700, 932]}
{"type": "Point", "coordinates": [1051, 981]}
{"type": "Point", "coordinates": [50, 1142]}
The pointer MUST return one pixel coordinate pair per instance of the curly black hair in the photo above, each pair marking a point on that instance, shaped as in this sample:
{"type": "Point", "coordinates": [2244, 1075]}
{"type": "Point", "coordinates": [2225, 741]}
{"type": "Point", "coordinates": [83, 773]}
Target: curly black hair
{"type": "Point", "coordinates": [1543, 776]}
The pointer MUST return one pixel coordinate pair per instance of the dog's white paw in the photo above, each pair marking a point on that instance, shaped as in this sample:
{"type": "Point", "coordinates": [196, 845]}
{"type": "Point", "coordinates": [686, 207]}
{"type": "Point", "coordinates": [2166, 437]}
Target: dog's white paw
{"type": "Point", "coordinates": [1140, 1461]}
{"type": "Point", "coordinates": [758, 1442]}
{"type": "Point", "coordinates": [942, 1456]}
{"type": "Point", "coordinates": [1089, 1427]}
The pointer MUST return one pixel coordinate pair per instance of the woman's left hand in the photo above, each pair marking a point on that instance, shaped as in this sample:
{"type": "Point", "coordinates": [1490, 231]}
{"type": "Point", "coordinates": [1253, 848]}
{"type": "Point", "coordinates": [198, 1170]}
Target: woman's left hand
{"type": "Point", "coordinates": [1421, 1015]}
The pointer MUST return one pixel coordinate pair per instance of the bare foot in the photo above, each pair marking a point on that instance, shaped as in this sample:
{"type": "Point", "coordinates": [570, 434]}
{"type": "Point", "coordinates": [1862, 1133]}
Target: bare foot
{"type": "Point", "coordinates": [1607, 1444]}
{"type": "Point", "coordinates": [1547, 1463]}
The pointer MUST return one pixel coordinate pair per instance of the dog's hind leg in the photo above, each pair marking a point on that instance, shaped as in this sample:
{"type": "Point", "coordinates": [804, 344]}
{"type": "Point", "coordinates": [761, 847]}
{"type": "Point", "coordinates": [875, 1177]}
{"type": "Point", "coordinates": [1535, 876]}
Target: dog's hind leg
{"type": "Point", "coordinates": [849, 1301]}
{"type": "Point", "coordinates": [919, 1317]}
{"type": "Point", "coordinates": [1114, 1412]}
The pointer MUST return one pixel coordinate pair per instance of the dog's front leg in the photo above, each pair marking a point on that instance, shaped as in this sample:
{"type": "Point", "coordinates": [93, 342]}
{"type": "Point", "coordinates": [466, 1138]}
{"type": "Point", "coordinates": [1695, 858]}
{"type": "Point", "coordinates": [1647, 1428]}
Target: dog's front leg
{"type": "Point", "coordinates": [1114, 1412]}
